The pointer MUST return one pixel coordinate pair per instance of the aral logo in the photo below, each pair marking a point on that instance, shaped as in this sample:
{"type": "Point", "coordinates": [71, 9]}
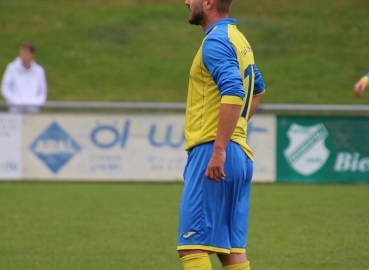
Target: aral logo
{"type": "Point", "coordinates": [55, 147]}
{"type": "Point", "coordinates": [307, 153]}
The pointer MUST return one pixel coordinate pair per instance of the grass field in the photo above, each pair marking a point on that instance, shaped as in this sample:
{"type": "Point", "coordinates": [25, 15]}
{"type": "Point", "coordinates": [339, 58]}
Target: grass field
{"type": "Point", "coordinates": [129, 50]}
{"type": "Point", "coordinates": [141, 50]}
{"type": "Point", "coordinates": [134, 226]}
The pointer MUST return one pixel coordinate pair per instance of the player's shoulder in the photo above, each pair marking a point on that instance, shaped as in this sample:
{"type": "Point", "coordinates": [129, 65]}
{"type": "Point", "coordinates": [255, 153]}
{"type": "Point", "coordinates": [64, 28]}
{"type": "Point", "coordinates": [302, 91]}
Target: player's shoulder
{"type": "Point", "coordinates": [218, 36]}
{"type": "Point", "coordinates": [218, 32]}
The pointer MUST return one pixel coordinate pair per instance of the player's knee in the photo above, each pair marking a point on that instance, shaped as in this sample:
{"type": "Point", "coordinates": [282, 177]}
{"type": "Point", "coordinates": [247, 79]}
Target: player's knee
{"type": "Point", "coordinates": [233, 258]}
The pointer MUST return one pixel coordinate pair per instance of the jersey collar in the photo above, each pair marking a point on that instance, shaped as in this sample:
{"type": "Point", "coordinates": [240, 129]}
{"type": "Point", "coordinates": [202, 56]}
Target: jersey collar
{"type": "Point", "coordinates": [221, 21]}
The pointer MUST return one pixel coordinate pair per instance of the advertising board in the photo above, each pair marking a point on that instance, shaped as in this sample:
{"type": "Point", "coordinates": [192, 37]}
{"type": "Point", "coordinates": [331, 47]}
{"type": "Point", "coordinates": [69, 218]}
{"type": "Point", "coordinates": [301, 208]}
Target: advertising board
{"type": "Point", "coordinates": [123, 147]}
{"type": "Point", "coordinates": [10, 146]}
{"type": "Point", "coordinates": [323, 149]}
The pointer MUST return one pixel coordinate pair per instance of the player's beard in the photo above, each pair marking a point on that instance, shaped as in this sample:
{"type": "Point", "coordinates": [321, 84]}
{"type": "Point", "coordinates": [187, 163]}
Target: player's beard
{"type": "Point", "coordinates": [196, 16]}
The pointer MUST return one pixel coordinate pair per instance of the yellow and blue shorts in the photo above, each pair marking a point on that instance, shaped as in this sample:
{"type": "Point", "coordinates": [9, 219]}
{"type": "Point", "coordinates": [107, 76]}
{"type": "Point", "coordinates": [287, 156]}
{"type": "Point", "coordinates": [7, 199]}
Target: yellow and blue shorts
{"type": "Point", "coordinates": [214, 216]}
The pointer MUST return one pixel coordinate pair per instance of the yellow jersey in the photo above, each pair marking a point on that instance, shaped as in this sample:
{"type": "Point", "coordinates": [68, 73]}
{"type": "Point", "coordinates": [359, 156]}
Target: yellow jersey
{"type": "Point", "coordinates": [223, 71]}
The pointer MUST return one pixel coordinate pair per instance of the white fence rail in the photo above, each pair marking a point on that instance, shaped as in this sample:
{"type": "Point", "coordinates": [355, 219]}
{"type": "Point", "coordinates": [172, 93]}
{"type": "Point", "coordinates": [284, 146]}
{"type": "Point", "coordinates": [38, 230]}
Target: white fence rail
{"type": "Point", "coordinates": [182, 106]}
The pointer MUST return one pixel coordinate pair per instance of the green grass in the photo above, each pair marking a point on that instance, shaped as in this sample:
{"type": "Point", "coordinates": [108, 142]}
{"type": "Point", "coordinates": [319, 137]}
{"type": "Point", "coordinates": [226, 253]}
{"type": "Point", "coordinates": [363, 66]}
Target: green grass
{"type": "Point", "coordinates": [134, 226]}
{"type": "Point", "coordinates": [130, 50]}
{"type": "Point", "coordinates": [141, 50]}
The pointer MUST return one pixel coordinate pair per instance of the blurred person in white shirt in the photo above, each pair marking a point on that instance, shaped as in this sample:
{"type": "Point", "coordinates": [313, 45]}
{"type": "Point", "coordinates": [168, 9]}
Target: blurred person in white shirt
{"type": "Point", "coordinates": [24, 84]}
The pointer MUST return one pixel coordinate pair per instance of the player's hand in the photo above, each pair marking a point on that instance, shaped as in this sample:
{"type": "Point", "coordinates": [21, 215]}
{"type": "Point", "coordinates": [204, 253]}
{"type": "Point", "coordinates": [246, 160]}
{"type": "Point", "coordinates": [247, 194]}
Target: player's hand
{"type": "Point", "coordinates": [359, 87]}
{"type": "Point", "coordinates": [214, 170]}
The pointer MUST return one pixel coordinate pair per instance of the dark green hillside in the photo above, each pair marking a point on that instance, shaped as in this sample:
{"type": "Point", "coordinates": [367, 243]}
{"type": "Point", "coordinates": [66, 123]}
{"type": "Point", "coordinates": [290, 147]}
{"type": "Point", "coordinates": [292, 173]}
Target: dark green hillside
{"type": "Point", "coordinates": [308, 51]}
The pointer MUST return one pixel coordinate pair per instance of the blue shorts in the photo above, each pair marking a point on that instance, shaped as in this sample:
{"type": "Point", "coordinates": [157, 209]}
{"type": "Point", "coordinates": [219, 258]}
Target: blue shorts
{"type": "Point", "coordinates": [214, 216]}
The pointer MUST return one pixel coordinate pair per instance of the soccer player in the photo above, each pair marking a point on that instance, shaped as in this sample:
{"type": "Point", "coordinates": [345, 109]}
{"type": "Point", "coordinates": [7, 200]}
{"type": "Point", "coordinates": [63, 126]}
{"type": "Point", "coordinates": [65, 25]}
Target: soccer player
{"type": "Point", "coordinates": [360, 86]}
{"type": "Point", "coordinates": [225, 88]}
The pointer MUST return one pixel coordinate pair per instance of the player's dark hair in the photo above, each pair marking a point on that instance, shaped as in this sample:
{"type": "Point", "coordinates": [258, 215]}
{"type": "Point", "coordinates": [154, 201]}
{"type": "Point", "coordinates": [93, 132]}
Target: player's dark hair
{"type": "Point", "coordinates": [224, 6]}
{"type": "Point", "coordinates": [29, 46]}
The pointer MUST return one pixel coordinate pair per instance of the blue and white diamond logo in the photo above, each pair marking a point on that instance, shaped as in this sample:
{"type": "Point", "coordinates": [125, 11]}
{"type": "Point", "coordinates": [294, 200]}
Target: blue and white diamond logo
{"type": "Point", "coordinates": [55, 147]}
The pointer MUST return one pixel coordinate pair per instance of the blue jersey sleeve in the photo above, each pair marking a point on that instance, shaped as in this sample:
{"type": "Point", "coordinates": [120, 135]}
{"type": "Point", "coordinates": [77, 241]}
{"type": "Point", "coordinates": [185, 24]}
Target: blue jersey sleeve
{"type": "Point", "coordinates": [220, 58]}
{"type": "Point", "coordinates": [367, 75]}
{"type": "Point", "coordinates": [259, 85]}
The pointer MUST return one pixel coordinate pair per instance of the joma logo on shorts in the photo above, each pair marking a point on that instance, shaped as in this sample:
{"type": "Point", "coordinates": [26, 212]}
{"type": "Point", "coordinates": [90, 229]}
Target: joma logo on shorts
{"type": "Point", "coordinates": [188, 234]}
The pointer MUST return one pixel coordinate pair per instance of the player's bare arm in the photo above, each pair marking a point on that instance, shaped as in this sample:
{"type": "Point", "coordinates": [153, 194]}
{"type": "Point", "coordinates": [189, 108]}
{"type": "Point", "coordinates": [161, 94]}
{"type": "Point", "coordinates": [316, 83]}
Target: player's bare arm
{"type": "Point", "coordinates": [360, 86]}
{"type": "Point", "coordinates": [228, 117]}
{"type": "Point", "coordinates": [254, 105]}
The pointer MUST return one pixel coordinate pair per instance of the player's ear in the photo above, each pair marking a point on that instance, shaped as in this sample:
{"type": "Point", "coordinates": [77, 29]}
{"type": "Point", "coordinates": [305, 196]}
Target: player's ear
{"type": "Point", "coordinates": [210, 4]}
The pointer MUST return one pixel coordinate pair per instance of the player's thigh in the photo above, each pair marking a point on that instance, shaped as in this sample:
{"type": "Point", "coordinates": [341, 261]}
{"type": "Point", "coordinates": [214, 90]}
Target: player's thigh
{"type": "Point", "coordinates": [241, 203]}
{"type": "Point", "coordinates": [194, 177]}
{"type": "Point", "coordinates": [192, 216]}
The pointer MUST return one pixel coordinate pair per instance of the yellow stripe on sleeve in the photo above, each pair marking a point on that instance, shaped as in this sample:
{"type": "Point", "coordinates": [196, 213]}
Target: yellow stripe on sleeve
{"type": "Point", "coordinates": [232, 100]}
{"type": "Point", "coordinates": [365, 79]}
